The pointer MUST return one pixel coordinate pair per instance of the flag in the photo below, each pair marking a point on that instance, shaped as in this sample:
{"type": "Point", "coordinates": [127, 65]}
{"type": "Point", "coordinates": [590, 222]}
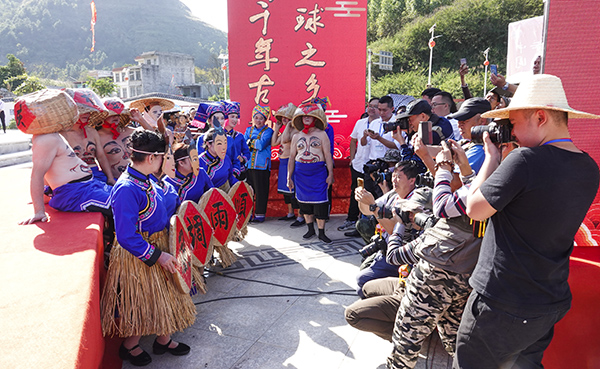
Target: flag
{"type": "Point", "coordinates": [93, 24]}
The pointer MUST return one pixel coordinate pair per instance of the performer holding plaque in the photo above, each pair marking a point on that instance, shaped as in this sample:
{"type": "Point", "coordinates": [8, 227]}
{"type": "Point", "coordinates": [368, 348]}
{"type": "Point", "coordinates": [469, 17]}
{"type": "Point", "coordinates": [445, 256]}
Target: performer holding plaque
{"type": "Point", "coordinates": [140, 297]}
{"type": "Point", "coordinates": [188, 186]}
{"type": "Point", "coordinates": [214, 159]}
{"type": "Point", "coordinates": [258, 138]}
{"type": "Point", "coordinates": [311, 172]}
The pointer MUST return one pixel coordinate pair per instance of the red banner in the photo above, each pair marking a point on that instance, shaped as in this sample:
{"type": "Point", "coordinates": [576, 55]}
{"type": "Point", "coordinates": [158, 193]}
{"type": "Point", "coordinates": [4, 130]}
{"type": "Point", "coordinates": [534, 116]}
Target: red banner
{"type": "Point", "coordinates": [292, 51]}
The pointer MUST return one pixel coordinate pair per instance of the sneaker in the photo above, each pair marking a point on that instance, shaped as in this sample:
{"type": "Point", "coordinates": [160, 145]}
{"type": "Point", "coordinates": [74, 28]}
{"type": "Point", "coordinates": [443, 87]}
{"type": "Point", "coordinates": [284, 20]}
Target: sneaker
{"type": "Point", "coordinates": [347, 225]}
{"type": "Point", "coordinates": [298, 223]}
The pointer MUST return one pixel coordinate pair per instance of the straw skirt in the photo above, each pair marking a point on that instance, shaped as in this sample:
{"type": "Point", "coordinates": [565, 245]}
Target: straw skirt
{"type": "Point", "coordinates": [139, 300]}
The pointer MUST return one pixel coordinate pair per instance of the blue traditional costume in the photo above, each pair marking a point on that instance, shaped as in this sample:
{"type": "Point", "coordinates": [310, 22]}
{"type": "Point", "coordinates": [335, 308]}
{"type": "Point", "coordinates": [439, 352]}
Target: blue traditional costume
{"type": "Point", "coordinates": [259, 165]}
{"type": "Point", "coordinates": [140, 297]}
{"type": "Point", "coordinates": [86, 194]}
{"type": "Point", "coordinates": [190, 187]}
{"type": "Point", "coordinates": [219, 171]}
{"type": "Point", "coordinates": [240, 146]}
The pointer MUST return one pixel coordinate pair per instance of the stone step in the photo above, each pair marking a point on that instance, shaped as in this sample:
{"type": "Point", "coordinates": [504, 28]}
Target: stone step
{"type": "Point", "coordinates": [15, 158]}
{"type": "Point", "coordinates": [15, 146]}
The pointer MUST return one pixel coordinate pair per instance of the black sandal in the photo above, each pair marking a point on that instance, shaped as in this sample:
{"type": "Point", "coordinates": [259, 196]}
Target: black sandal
{"type": "Point", "coordinates": [141, 359]}
{"type": "Point", "coordinates": [181, 349]}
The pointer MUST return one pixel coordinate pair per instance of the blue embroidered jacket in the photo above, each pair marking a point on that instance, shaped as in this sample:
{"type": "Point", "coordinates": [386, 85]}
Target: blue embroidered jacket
{"type": "Point", "coordinates": [141, 204]}
{"type": "Point", "coordinates": [260, 147]}
{"type": "Point", "coordinates": [190, 187]}
{"type": "Point", "coordinates": [231, 153]}
{"type": "Point", "coordinates": [219, 171]}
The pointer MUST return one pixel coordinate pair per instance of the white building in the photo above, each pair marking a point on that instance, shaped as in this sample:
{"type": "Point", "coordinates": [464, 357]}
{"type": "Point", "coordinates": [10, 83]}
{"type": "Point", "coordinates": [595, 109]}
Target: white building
{"type": "Point", "coordinates": [155, 72]}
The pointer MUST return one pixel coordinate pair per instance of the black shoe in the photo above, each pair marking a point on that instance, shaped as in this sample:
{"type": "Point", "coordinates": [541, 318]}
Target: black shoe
{"type": "Point", "coordinates": [142, 359]}
{"type": "Point", "coordinates": [181, 349]}
{"type": "Point", "coordinates": [257, 219]}
{"type": "Point", "coordinates": [287, 217]}
{"type": "Point", "coordinates": [309, 234]}
{"type": "Point", "coordinates": [325, 239]}
{"type": "Point", "coordinates": [298, 223]}
{"type": "Point", "coordinates": [353, 233]}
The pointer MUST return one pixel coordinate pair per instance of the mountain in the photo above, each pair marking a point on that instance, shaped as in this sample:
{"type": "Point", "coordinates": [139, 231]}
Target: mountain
{"type": "Point", "coordinates": [57, 32]}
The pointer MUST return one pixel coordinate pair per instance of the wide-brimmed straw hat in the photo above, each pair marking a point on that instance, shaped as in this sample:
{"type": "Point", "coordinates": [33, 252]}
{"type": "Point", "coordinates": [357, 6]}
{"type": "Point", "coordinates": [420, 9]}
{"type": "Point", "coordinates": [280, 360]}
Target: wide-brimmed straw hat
{"type": "Point", "coordinates": [285, 111]}
{"type": "Point", "coordinates": [142, 104]}
{"type": "Point", "coordinates": [540, 91]}
{"type": "Point", "coordinates": [45, 111]}
{"type": "Point", "coordinates": [88, 102]}
{"type": "Point", "coordinates": [312, 110]}
{"type": "Point", "coordinates": [116, 106]}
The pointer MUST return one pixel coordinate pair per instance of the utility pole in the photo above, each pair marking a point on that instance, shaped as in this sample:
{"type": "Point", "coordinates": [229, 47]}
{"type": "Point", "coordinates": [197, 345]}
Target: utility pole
{"type": "Point", "coordinates": [386, 62]}
{"type": "Point", "coordinates": [431, 46]}
{"type": "Point", "coordinates": [485, 63]}
{"type": "Point", "coordinates": [224, 66]}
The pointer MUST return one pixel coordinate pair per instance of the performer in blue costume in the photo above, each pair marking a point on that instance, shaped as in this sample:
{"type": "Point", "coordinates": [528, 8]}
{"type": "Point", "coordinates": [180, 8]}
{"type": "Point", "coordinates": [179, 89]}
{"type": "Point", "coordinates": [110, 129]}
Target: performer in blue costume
{"type": "Point", "coordinates": [140, 297]}
{"type": "Point", "coordinates": [311, 172]}
{"type": "Point", "coordinates": [258, 138]}
{"type": "Point", "coordinates": [239, 147]}
{"type": "Point", "coordinates": [213, 115]}
{"type": "Point", "coordinates": [215, 161]}
{"type": "Point", "coordinates": [188, 186]}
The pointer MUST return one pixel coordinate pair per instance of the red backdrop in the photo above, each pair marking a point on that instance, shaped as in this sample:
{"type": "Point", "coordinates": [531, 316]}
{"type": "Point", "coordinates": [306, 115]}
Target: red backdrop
{"type": "Point", "coordinates": [290, 51]}
{"type": "Point", "coordinates": [571, 50]}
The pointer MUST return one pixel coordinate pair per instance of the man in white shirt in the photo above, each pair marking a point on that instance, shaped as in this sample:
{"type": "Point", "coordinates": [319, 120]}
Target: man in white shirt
{"type": "Point", "coordinates": [359, 155]}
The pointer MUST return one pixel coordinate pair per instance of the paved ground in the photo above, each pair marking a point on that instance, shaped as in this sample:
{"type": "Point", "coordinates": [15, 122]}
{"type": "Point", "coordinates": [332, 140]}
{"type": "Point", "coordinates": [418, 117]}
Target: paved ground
{"type": "Point", "coordinates": [238, 327]}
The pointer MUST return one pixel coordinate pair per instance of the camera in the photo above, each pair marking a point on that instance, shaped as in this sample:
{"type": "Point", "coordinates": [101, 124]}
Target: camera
{"type": "Point", "coordinates": [378, 244]}
{"type": "Point", "coordinates": [425, 180]}
{"type": "Point", "coordinates": [500, 132]}
{"type": "Point", "coordinates": [424, 220]}
{"type": "Point", "coordinates": [379, 169]}
{"type": "Point", "coordinates": [391, 126]}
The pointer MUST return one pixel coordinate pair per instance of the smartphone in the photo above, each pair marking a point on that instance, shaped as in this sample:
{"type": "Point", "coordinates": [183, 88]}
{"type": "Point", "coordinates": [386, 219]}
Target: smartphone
{"type": "Point", "coordinates": [494, 69]}
{"type": "Point", "coordinates": [360, 182]}
{"type": "Point", "coordinates": [425, 132]}
{"type": "Point", "coordinates": [463, 61]}
{"type": "Point", "coordinates": [371, 131]}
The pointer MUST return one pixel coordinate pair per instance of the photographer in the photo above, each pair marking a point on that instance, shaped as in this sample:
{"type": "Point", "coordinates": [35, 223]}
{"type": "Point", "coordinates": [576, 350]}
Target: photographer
{"type": "Point", "coordinates": [437, 288]}
{"type": "Point", "coordinates": [377, 311]}
{"type": "Point", "coordinates": [535, 200]}
{"type": "Point", "coordinates": [403, 182]}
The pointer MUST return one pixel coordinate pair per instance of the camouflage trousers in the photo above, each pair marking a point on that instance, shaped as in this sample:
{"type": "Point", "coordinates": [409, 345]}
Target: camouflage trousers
{"type": "Point", "coordinates": [433, 298]}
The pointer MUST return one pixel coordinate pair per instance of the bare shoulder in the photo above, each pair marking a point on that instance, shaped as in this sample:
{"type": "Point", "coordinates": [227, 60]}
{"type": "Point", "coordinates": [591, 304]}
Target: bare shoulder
{"type": "Point", "coordinates": [46, 139]}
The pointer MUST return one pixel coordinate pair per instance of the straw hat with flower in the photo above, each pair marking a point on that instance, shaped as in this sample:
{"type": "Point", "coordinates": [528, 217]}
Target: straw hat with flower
{"type": "Point", "coordinates": [286, 111]}
{"type": "Point", "coordinates": [116, 106]}
{"type": "Point", "coordinates": [311, 110]}
{"type": "Point", "coordinates": [540, 91]}
{"type": "Point", "coordinates": [88, 102]}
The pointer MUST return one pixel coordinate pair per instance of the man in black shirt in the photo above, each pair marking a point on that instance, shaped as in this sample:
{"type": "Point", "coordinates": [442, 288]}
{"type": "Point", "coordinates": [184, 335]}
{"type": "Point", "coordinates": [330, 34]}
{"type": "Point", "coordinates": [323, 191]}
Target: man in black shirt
{"type": "Point", "coordinates": [535, 200]}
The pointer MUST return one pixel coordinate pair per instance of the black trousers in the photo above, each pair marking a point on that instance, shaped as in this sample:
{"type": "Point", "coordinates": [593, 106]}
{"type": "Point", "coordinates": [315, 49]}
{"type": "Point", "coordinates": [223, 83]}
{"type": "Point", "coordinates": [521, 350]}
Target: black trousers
{"type": "Point", "coordinates": [353, 211]}
{"type": "Point", "coordinates": [3, 120]}
{"type": "Point", "coordinates": [259, 180]}
{"type": "Point", "coordinates": [492, 336]}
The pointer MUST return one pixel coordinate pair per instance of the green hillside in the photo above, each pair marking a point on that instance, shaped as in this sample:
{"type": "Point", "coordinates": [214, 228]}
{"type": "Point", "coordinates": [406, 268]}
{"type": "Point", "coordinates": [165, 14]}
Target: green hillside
{"type": "Point", "coordinates": [56, 33]}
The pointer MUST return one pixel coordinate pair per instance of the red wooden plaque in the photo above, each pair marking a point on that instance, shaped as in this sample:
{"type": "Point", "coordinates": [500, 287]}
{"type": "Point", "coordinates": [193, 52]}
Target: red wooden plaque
{"type": "Point", "coordinates": [199, 230]}
{"type": "Point", "coordinates": [242, 197]}
{"type": "Point", "coordinates": [221, 213]}
{"type": "Point", "coordinates": [179, 246]}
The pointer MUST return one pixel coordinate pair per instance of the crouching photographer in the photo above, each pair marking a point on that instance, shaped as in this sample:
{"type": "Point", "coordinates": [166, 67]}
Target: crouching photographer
{"type": "Point", "coordinates": [437, 288]}
{"type": "Point", "coordinates": [403, 187]}
{"type": "Point", "coordinates": [376, 313]}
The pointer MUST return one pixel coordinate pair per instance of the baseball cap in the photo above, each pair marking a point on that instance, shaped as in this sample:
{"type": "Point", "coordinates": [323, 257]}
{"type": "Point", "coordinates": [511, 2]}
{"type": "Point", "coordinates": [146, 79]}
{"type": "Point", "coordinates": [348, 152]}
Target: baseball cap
{"type": "Point", "coordinates": [470, 108]}
{"type": "Point", "coordinates": [416, 107]}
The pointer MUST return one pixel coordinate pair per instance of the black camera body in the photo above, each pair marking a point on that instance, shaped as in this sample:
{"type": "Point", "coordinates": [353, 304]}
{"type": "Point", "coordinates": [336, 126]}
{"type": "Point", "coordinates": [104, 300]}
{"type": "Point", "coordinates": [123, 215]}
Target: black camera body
{"type": "Point", "coordinates": [402, 123]}
{"type": "Point", "coordinates": [378, 244]}
{"type": "Point", "coordinates": [500, 132]}
{"type": "Point", "coordinates": [379, 169]}
{"type": "Point", "coordinates": [425, 180]}
{"type": "Point", "coordinates": [424, 220]}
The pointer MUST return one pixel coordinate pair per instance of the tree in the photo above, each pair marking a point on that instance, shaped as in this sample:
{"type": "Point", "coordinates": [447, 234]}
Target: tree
{"type": "Point", "coordinates": [102, 86]}
{"type": "Point", "coordinates": [30, 84]}
{"type": "Point", "coordinates": [14, 68]}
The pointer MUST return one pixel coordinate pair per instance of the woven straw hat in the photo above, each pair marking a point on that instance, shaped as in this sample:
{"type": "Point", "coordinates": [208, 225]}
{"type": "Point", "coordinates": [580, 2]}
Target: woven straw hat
{"type": "Point", "coordinates": [88, 102]}
{"type": "Point", "coordinates": [45, 111]}
{"type": "Point", "coordinates": [285, 111]}
{"type": "Point", "coordinates": [312, 110]}
{"type": "Point", "coordinates": [116, 106]}
{"type": "Point", "coordinates": [540, 91]}
{"type": "Point", "coordinates": [142, 104]}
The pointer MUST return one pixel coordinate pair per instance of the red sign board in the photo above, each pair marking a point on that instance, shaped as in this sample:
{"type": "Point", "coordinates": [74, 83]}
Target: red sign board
{"type": "Point", "coordinates": [292, 51]}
